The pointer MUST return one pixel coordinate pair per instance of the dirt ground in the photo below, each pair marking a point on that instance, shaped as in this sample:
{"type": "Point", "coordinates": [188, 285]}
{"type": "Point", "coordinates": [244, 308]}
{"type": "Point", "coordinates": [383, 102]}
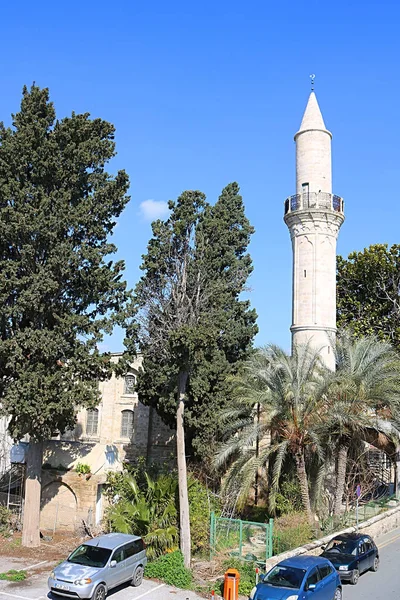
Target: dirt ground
{"type": "Point", "coordinates": [53, 551]}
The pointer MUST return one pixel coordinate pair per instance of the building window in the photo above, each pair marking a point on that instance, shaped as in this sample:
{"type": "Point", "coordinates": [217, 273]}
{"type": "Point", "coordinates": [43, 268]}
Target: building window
{"type": "Point", "coordinates": [130, 382]}
{"type": "Point", "coordinates": [127, 423]}
{"type": "Point", "coordinates": [92, 421]}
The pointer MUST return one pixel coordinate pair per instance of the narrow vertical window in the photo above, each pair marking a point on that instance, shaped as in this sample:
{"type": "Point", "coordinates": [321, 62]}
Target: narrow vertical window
{"type": "Point", "coordinates": [130, 382]}
{"type": "Point", "coordinates": [305, 273]}
{"type": "Point", "coordinates": [127, 424]}
{"type": "Point", "coordinates": [92, 421]}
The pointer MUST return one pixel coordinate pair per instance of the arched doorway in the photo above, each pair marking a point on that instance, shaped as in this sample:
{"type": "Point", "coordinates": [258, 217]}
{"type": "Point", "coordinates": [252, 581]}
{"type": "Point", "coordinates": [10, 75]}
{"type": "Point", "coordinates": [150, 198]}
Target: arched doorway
{"type": "Point", "coordinates": [58, 508]}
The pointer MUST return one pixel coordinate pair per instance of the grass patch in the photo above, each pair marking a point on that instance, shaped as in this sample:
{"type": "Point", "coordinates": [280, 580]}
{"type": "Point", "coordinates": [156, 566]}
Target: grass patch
{"type": "Point", "coordinates": [13, 575]}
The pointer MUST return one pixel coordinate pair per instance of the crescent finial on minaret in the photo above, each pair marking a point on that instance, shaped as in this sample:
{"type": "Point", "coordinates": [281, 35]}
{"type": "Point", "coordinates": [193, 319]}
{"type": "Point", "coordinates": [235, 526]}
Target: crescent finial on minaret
{"type": "Point", "coordinates": [312, 77]}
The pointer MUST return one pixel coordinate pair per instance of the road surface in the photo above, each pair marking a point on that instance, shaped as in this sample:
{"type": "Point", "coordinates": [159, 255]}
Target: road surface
{"type": "Point", "coordinates": [385, 583]}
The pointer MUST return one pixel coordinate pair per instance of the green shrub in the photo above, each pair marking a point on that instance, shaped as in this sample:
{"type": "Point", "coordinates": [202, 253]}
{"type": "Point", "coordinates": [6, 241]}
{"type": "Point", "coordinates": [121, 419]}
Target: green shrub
{"type": "Point", "coordinates": [5, 519]}
{"type": "Point", "coordinates": [13, 575]}
{"type": "Point", "coordinates": [82, 468]}
{"type": "Point", "coordinates": [291, 531]}
{"type": "Point", "coordinates": [201, 503]}
{"type": "Point", "coordinates": [288, 499]}
{"type": "Point", "coordinates": [170, 568]}
{"type": "Point", "coordinates": [247, 572]}
{"type": "Point", "coordinates": [150, 512]}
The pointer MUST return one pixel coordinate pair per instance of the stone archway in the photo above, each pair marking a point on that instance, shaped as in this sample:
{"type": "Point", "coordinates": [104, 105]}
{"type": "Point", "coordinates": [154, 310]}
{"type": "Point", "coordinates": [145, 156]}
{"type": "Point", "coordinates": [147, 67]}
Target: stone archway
{"type": "Point", "coordinates": [58, 507]}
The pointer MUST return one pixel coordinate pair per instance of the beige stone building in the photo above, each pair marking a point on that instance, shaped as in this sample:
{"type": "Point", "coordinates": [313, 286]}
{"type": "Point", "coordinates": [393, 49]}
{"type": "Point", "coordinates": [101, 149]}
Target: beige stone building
{"type": "Point", "coordinates": [314, 216]}
{"type": "Point", "coordinates": [119, 430]}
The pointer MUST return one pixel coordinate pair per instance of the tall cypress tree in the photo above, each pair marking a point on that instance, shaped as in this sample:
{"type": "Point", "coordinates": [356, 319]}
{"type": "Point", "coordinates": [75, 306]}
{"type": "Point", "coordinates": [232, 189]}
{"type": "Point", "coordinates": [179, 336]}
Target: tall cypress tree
{"type": "Point", "coordinates": [194, 327]}
{"type": "Point", "coordinates": [59, 289]}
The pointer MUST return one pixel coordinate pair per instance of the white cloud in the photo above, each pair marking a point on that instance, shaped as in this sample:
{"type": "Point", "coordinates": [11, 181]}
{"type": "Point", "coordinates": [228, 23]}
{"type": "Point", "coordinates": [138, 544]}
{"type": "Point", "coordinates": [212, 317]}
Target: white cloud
{"type": "Point", "coordinates": [153, 209]}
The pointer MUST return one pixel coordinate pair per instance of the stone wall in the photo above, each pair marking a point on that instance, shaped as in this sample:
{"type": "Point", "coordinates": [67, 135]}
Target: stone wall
{"type": "Point", "coordinates": [68, 499]}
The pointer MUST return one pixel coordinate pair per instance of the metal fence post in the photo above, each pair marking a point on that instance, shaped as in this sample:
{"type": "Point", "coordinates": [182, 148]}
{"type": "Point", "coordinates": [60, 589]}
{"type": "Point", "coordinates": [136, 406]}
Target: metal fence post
{"type": "Point", "coordinates": [240, 537]}
{"type": "Point", "coordinates": [212, 534]}
{"type": "Point", "coordinates": [270, 544]}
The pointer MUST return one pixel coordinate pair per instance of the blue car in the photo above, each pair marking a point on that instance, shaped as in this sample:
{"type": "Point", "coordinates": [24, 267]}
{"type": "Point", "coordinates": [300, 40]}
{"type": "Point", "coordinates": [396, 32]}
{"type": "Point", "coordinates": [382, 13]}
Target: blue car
{"type": "Point", "coordinates": [300, 578]}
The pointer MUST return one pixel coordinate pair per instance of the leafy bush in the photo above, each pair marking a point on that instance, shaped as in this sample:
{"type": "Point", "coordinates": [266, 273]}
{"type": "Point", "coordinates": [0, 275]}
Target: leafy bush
{"type": "Point", "coordinates": [170, 568]}
{"type": "Point", "coordinates": [201, 503]}
{"type": "Point", "coordinates": [151, 512]}
{"type": "Point", "coordinates": [13, 575]}
{"type": "Point", "coordinates": [82, 468]}
{"type": "Point", "coordinates": [288, 499]}
{"type": "Point", "coordinates": [247, 572]}
{"type": "Point", "coordinates": [291, 531]}
{"type": "Point", "coordinates": [5, 519]}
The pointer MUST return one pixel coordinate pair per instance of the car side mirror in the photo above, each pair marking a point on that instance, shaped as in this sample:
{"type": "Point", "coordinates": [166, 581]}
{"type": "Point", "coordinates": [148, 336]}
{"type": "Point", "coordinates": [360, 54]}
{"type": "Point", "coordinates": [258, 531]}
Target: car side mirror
{"type": "Point", "coordinates": [311, 587]}
{"type": "Point", "coordinates": [113, 564]}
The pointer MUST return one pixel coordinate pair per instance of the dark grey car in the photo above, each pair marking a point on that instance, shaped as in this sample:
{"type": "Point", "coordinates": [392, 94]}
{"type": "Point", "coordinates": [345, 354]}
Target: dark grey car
{"type": "Point", "coordinates": [99, 565]}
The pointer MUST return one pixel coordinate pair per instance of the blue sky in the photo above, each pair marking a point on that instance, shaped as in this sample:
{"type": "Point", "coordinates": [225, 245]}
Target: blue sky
{"type": "Point", "coordinates": [206, 93]}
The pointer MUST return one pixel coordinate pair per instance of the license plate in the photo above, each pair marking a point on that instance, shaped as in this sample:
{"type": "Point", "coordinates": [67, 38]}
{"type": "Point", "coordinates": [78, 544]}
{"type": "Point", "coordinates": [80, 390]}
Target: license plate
{"type": "Point", "coordinates": [60, 586]}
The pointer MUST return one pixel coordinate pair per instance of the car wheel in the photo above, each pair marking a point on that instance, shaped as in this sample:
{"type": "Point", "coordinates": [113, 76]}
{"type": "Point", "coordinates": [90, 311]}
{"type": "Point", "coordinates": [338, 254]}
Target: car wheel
{"type": "Point", "coordinates": [338, 594]}
{"type": "Point", "coordinates": [375, 566]}
{"type": "Point", "coordinates": [355, 577]}
{"type": "Point", "coordinates": [99, 593]}
{"type": "Point", "coordinates": [137, 577]}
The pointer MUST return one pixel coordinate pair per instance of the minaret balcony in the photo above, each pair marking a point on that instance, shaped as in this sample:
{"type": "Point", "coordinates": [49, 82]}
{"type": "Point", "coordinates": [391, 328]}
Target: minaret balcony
{"type": "Point", "coordinates": [314, 200]}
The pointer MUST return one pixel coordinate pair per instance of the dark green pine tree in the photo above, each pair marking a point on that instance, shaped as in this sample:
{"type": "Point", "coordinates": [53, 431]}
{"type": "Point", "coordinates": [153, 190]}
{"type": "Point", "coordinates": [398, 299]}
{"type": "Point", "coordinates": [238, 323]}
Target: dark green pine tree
{"type": "Point", "coordinates": [194, 326]}
{"type": "Point", "coordinates": [59, 289]}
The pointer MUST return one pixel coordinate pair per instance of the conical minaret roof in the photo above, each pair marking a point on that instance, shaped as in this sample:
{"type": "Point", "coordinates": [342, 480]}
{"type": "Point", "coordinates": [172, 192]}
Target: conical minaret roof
{"type": "Point", "coordinates": [312, 118]}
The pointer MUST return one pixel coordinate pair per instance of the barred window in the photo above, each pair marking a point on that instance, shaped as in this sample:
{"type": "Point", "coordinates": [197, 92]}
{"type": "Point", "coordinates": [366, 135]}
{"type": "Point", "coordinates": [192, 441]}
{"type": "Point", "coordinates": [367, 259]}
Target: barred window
{"type": "Point", "coordinates": [127, 423]}
{"type": "Point", "coordinates": [92, 421]}
{"type": "Point", "coordinates": [130, 382]}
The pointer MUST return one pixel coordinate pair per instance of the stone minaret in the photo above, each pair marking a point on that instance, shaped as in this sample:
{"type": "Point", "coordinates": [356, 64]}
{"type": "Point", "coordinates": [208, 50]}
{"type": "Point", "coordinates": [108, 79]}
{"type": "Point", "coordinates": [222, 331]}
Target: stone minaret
{"type": "Point", "coordinates": [314, 216]}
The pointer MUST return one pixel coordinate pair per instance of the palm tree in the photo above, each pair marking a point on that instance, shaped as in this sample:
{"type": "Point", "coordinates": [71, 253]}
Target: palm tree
{"type": "Point", "coordinates": [286, 390]}
{"type": "Point", "coordinates": [366, 382]}
{"type": "Point", "coordinates": [151, 513]}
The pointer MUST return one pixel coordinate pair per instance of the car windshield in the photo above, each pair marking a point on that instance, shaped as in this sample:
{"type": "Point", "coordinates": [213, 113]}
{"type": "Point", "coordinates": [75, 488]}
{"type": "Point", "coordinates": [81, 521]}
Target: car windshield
{"type": "Point", "coordinates": [289, 577]}
{"type": "Point", "coordinates": [342, 547]}
{"type": "Point", "coordinates": [90, 556]}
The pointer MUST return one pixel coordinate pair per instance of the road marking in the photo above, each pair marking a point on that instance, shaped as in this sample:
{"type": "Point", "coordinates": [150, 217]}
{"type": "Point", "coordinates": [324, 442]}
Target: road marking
{"type": "Point", "coordinates": [393, 539]}
{"type": "Point", "coordinates": [36, 565]}
{"type": "Point", "coordinates": [15, 596]}
{"type": "Point", "coordinates": [149, 592]}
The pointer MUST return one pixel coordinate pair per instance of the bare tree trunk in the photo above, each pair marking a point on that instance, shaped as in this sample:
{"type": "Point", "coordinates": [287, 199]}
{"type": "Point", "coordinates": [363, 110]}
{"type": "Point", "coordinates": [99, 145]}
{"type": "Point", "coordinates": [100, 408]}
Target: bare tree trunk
{"type": "Point", "coordinates": [340, 479]}
{"type": "Point", "coordinates": [305, 494]}
{"type": "Point", "coordinates": [257, 477]}
{"type": "Point", "coordinates": [31, 527]}
{"type": "Point", "coordinates": [185, 543]}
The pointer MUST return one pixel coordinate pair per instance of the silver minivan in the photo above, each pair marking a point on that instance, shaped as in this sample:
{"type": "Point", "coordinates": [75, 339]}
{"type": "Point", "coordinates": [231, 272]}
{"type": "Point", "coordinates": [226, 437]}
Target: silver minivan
{"type": "Point", "coordinates": [99, 565]}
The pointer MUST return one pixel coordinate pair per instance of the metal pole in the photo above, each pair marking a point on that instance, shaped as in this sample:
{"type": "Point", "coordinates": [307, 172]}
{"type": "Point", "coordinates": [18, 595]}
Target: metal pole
{"type": "Point", "coordinates": [212, 521]}
{"type": "Point", "coordinates": [357, 513]}
{"type": "Point", "coordinates": [271, 538]}
{"type": "Point", "coordinates": [9, 488]}
{"type": "Point", "coordinates": [55, 520]}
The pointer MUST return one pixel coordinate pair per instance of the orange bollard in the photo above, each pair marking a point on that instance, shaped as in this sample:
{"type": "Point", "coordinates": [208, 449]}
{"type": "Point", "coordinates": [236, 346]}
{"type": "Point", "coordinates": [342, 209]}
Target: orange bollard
{"type": "Point", "coordinates": [231, 584]}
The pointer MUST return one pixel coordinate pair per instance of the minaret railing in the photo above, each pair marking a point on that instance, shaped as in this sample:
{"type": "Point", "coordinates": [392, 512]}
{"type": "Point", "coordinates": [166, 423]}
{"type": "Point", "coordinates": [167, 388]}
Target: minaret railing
{"type": "Point", "coordinates": [314, 200]}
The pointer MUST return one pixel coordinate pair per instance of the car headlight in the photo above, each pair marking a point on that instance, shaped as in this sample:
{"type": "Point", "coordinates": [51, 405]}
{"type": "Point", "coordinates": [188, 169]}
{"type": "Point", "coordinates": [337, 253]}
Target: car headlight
{"type": "Point", "coordinates": [252, 593]}
{"type": "Point", "coordinates": [343, 568]}
{"type": "Point", "coordinates": [52, 575]}
{"type": "Point", "coordinates": [294, 597]}
{"type": "Point", "coordinates": [83, 581]}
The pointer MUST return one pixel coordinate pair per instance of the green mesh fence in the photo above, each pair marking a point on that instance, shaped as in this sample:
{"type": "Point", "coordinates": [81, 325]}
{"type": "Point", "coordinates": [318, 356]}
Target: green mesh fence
{"type": "Point", "coordinates": [246, 540]}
